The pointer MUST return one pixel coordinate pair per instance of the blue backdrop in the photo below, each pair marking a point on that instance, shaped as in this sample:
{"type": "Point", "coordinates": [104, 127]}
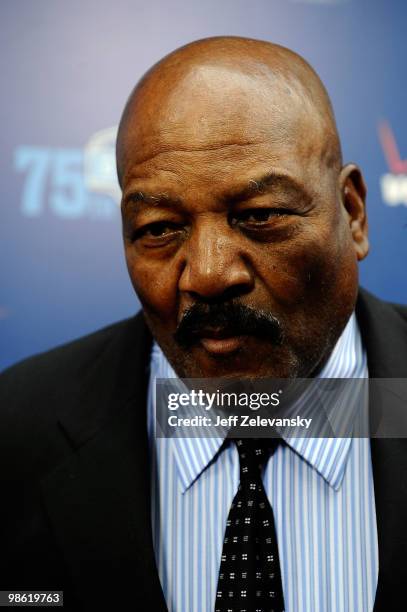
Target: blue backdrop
{"type": "Point", "coordinates": [67, 69]}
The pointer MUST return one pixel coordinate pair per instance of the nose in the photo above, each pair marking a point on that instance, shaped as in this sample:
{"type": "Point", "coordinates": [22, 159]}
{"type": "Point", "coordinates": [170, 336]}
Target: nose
{"type": "Point", "coordinates": [215, 265]}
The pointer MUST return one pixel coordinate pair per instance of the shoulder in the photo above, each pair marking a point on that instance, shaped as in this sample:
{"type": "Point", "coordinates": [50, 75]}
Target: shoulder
{"type": "Point", "coordinates": [370, 306]}
{"type": "Point", "coordinates": [59, 363]}
{"type": "Point", "coordinates": [401, 310]}
{"type": "Point", "coordinates": [77, 377]}
{"type": "Point", "coordinates": [383, 326]}
{"type": "Point", "coordinates": [47, 379]}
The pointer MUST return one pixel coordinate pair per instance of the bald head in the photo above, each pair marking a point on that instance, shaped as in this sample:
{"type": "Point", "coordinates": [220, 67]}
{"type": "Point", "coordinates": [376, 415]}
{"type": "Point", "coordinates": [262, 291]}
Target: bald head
{"type": "Point", "coordinates": [201, 93]}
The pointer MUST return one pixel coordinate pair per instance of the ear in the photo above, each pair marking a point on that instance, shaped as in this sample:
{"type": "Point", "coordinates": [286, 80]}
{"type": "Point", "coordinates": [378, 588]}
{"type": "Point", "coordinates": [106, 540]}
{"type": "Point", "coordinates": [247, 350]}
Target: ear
{"type": "Point", "coordinates": [353, 195]}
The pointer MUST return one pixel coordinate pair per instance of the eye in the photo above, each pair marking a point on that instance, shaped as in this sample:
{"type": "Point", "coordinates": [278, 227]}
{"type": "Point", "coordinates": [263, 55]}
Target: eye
{"type": "Point", "coordinates": [159, 229]}
{"type": "Point", "coordinates": [257, 216]}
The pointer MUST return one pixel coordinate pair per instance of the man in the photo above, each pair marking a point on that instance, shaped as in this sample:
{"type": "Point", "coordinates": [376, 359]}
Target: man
{"type": "Point", "coordinates": [242, 231]}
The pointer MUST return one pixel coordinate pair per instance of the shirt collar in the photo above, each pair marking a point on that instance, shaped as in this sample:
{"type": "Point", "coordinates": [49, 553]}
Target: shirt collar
{"type": "Point", "coordinates": [328, 456]}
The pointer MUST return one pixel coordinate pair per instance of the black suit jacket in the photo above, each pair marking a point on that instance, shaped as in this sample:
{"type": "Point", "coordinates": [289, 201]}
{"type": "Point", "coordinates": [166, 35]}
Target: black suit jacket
{"type": "Point", "coordinates": [75, 504]}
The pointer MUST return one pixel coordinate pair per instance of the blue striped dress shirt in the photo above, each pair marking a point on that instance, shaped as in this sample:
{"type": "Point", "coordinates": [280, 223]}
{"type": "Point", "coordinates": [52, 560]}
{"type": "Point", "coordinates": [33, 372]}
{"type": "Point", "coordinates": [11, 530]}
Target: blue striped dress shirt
{"type": "Point", "coordinates": [321, 491]}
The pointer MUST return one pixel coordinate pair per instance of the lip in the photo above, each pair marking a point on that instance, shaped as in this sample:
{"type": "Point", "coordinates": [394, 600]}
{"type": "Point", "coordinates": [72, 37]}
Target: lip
{"type": "Point", "coordinates": [222, 346]}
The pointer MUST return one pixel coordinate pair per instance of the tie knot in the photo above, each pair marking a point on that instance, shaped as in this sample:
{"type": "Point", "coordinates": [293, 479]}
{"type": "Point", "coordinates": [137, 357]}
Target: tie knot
{"type": "Point", "coordinates": [253, 454]}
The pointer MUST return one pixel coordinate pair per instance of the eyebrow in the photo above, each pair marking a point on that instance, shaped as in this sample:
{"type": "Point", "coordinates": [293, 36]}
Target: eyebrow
{"type": "Point", "coordinates": [142, 197]}
{"type": "Point", "coordinates": [258, 186]}
{"type": "Point", "coordinates": [267, 183]}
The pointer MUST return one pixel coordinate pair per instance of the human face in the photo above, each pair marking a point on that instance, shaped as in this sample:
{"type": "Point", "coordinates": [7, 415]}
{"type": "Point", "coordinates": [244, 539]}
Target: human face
{"type": "Point", "coordinates": [238, 236]}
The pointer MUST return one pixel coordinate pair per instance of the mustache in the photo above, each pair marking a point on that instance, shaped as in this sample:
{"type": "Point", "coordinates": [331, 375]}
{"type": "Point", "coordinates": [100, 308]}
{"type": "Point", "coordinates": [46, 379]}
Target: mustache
{"type": "Point", "coordinates": [231, 319]}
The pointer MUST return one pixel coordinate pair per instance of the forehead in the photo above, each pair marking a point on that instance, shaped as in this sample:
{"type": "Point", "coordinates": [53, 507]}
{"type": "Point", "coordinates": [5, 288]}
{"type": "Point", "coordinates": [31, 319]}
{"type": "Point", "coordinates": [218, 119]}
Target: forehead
{"type": "Point", "coordinates": [218, 118]}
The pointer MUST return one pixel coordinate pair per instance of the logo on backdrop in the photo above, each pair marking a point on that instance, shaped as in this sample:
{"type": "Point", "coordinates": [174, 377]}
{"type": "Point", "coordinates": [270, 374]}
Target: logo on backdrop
{"type": "Point", "coordinates": [394, 183]}
{"type": "Point", "coordinates": [70, 183]}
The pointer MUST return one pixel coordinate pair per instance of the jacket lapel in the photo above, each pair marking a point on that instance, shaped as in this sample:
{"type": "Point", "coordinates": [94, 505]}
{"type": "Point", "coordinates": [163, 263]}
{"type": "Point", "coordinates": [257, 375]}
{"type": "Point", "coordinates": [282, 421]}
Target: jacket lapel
{"type": "Point", "coordinates": [384, 336]}
{"type": "Point", "coordinates": [98, 501]}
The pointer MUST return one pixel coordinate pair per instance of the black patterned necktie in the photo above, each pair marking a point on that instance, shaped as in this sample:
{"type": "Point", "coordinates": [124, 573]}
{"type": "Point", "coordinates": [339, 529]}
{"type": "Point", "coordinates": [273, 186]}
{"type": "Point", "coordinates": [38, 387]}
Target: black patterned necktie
{"type": "Point", "coordinates": [249, 576]}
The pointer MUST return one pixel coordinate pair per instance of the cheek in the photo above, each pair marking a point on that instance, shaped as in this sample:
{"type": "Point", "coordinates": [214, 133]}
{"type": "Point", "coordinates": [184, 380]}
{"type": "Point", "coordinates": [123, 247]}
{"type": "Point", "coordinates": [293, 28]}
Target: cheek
{"type": "Point", "coordinates": [314, 263]}
{"type": "Point", "coordinates": [155, 284]}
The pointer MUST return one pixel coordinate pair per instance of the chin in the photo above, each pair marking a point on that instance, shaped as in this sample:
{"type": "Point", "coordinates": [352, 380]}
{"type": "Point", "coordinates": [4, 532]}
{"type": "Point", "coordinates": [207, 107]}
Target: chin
{"type": "Point", "coordinates": [199, 363]}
